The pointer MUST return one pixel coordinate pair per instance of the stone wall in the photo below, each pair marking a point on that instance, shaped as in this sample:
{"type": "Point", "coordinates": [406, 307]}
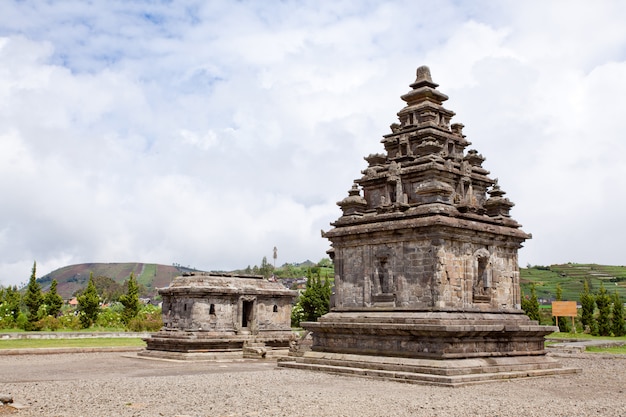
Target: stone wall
{"type": "Point", "coordinates": [409, 272]}
{"type": "Point", "coordinates": [223, 313]}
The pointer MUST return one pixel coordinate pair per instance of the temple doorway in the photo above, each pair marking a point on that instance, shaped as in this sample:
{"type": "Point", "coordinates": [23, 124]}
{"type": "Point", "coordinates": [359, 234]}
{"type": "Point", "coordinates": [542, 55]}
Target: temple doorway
{"type": "Point", "coordinates": [247, 314]}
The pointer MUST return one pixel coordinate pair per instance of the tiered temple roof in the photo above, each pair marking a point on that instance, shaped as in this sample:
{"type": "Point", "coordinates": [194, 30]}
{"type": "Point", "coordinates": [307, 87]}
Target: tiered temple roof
{"type": "Point", "coordinates": [426, 169]}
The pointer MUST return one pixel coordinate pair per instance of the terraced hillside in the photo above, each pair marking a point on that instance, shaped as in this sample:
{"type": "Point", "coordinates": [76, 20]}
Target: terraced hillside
{"type": "Point", "coordinates": [74, 277]}
{"type": "Point", "coordinates": [572, 277]}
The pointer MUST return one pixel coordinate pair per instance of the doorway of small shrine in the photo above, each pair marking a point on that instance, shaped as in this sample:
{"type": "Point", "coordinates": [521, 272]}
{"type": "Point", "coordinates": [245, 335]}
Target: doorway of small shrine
{"type": "Point", "coordinates": [247, 314]}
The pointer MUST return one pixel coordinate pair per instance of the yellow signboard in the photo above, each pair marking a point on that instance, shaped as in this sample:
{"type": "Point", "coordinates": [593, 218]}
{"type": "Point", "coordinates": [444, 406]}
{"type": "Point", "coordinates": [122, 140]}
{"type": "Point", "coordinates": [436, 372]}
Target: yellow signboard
{"type": "Point", "coordinates": [564, 309]}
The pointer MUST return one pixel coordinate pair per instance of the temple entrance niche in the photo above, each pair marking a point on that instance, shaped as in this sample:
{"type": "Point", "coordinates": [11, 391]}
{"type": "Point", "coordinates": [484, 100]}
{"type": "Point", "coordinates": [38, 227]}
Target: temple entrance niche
{"type": "Point", "coordinates": [247, 315]}
{"type": "Point", "coordinates": [383, 288]}
{"type": "Point", "coordinates": [483, 277]}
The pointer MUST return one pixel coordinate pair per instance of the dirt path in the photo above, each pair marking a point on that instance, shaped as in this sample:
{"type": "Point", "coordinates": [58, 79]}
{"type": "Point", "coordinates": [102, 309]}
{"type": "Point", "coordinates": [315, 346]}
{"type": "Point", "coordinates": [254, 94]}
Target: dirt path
{"type": "Point", "coordinates": [114, 384]}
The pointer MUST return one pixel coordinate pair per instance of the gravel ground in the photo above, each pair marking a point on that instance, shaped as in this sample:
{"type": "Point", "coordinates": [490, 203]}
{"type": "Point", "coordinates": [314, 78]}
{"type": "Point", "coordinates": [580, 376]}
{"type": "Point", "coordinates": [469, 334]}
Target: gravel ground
{"type": "Point", "coordinates": [115, 384]}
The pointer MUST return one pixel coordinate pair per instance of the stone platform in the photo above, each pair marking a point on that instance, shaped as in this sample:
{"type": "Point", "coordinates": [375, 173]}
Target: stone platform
{"type": "Point", "coordinates": [188, 345]}
{"type": "Point", "coordinates": [450, 372]}
{"type": "Point", "coordinates": [431, 347]}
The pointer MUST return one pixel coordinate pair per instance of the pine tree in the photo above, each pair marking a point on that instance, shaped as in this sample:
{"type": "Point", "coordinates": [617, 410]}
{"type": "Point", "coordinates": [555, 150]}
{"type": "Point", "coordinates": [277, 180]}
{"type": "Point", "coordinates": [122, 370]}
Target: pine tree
{"type": "Point", "coordinates": [530, 305]}
{"type": "Point", "coordinates": [588, 305]}
{"type": "Point", "coordinates": [603, 301]}
{"type": "Point", "coordinates": [53, 300]}
{"type": "Point", "coordinates": [617, 320]}
{"type": "Point", "coordinates": [89, 304]}
{"type": "Point", "coordinates": [130, 301]}
{"type": "Point", "coordinates": [33, 298]}
{"type": "Point", "coordinates": [563, 323]}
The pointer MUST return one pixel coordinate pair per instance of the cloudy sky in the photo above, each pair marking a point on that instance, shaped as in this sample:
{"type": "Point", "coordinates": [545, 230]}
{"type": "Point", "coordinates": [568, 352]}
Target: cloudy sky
{"type": "Point", "coordinates": [207, 132]}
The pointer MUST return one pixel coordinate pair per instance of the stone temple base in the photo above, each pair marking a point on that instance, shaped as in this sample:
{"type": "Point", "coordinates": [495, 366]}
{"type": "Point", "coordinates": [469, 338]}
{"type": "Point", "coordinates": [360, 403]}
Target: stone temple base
{"type": "Point", "coordinates": [193, 345]}
{"type": "Point", "coordinates": [438, 348]}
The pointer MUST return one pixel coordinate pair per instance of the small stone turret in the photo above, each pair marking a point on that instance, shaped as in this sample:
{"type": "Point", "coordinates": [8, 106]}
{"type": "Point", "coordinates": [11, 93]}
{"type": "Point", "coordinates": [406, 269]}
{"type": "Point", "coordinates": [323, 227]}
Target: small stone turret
{"type": "Point", "coordinates": [354, 204]}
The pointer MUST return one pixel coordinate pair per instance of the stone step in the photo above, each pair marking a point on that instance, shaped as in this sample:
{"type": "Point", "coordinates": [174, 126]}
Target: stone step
{"type": "Point", "coordinates": [470, 368]}
{"type": "Point", "coordinates": [427, 379]}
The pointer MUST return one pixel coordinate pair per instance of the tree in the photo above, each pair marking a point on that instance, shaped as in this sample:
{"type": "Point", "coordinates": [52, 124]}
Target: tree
{"type": "Point", "coordinates": [130, 301]}
{"type": "Point", "coordinates": [315, 300]}
{"type": "Point", "coordinates": [588, 305]}
{"type": "Point", "coordinates": [563, 322]}
{"type": "Point", "coordinates": [603, 301]}
{"type": "Point", "coordinates": [33, 298]}
{"type": "Point", "coordinates": [617, 320]}
{"type": "Point", "coordinates": [10, 300]}
{"type": "Point", "coordinates": [89, 304]}
{"type": "Point", "coordinates": [108, 289]}
{"type": "Point", "coordinates": [325, 263]}
{"type": "Point", "coordinates": [53, 300]}
{"type": "Point", "coordinates": [275, 255]}
{"type": "Point", "coordinates": [266, 268]}
{"type": "Point", "coordinates": [530, 305]}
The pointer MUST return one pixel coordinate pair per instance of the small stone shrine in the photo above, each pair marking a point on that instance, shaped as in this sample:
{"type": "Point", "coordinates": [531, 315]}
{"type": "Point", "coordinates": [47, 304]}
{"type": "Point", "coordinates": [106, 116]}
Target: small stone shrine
{"type": "Point", "coordinates": [426, 269]}
{"type": "Point", "coordinates": [209, 316]}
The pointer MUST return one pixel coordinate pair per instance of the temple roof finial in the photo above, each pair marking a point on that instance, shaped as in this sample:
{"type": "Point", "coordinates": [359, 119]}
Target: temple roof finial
{"type": "Point", "coordinates": [424, 79]}
{"type": "Point", "coordinates": [423, 74]}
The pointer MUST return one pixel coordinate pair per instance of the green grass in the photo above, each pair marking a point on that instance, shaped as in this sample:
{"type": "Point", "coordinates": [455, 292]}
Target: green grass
{"type": "Point", "coordinates": [621, 350]}
{"type": "Point", "coordinates": [583, 336]}
{"type": "Point", "coordinates": [571, 277]}
{"type": "Point", "coordinates": [618, 350]}
{"type": "Point", "coordinates": [71, 343]}
{"type": "Point", "coordinates": [147, 276]}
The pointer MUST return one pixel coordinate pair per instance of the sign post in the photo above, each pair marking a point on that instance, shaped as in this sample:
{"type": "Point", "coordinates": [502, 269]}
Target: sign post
{"type": "Point", "coordinates": [565, 309]}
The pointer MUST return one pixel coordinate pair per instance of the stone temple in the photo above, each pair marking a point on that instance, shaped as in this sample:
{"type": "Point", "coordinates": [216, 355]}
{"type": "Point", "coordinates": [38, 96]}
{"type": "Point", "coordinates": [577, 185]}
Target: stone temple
{"type": "Point", "coordinates": [215, 316]}
{"type": "Point", "coordinates": [426, 269]}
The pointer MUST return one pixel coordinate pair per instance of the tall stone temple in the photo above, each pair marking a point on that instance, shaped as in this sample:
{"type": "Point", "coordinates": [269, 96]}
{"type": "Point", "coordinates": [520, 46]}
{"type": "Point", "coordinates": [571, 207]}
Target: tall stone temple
{"type": "Point", "coordinates": [426, 268]}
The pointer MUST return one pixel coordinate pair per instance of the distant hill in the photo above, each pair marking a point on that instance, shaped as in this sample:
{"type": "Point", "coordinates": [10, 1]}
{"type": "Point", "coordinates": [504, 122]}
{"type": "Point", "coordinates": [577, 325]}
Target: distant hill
{"type": "Point", "coordinates": [572, 276]}
{"type": "Point", "coordinates": [152, 276]}
{"type": "Point", "coordinates": [74, 277]}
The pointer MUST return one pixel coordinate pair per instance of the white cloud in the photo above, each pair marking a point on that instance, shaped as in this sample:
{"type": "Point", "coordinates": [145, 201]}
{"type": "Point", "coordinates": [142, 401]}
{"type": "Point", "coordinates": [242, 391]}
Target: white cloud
{"type": "Point", "coordinates": [208, 133]}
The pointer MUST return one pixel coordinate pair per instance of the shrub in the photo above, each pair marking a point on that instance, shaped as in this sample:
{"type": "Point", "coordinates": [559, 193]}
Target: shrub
{"type": "Point", "coordinates": [530, 305]}
{"type": "Point", "coordinates": [148, 319]}
{"type": "Point", "coordinates": [49, 323]}
{"type": "Point", "coordinates": [22, 321]}
{"type": "Point", "coordinates": [297, 315]}
{"type": "Point", "coordinates": [7, 317]}
{"type": "Point", "coordinates": [109, 319]}
{"type": "Point", "coordinates": [70, 321]}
